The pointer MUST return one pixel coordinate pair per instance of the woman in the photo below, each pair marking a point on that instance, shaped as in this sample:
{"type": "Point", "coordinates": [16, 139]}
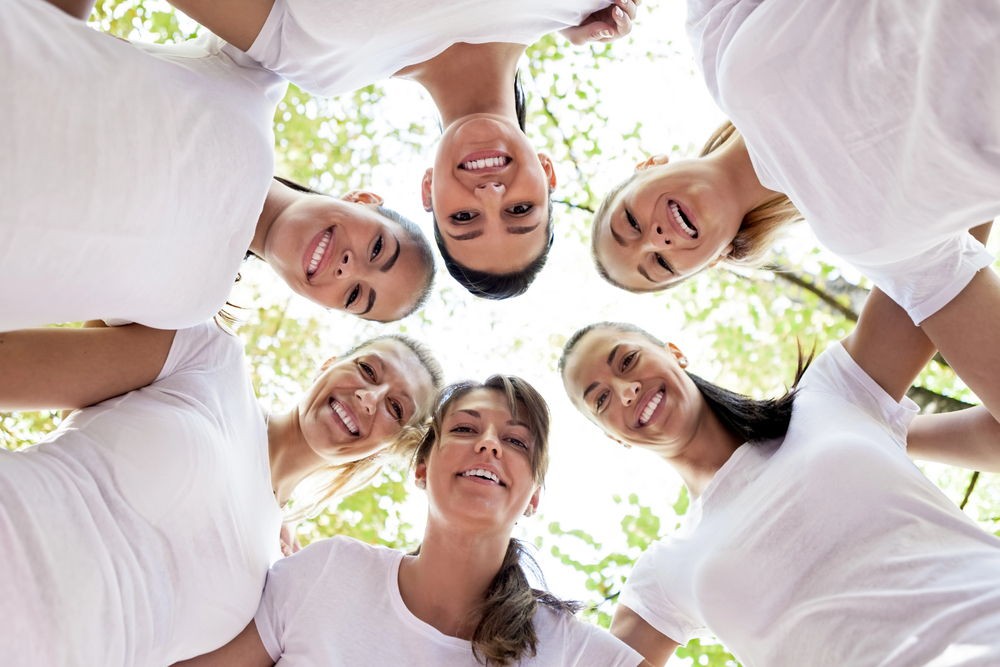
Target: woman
{"type": "Point", "coordinates": [136, 196]}
{"type": "Point", "coordinates": [488, 190]}
{"type": "Point", "coordinates": [462, 598]}
{"type": "Point", "coordinates": [890, 151]}
{"type": "Point", "coordinates": [140, 532]}
{"type": "Point", "coordinates": [812, 539]}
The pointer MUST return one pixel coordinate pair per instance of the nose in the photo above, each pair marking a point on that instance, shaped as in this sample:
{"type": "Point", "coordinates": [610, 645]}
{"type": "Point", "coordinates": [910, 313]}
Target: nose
{"type": "Point", "coordinates": [657, 236]}
{"type": "Point", "coordinates": [489, 441]}
{"type": "Point", "coordinates": [490, 190]}
{"type": "Point", "coordinates": [627, 391]}
{"type": "Point", "coordinates": [370, 397]}
{"type": "Point", "coordinates": [346, 264]}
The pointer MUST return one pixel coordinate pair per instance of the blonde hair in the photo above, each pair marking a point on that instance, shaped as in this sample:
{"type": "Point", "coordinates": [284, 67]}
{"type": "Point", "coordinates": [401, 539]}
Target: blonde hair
{"type": "Point", "coordinates": [331, 483]}
{"type": "Point", "coordinates": [758, 231]}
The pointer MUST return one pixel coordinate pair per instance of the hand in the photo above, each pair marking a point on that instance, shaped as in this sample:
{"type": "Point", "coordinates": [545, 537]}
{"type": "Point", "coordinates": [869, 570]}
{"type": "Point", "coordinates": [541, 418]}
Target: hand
{"type": "Point", "coordinates": [289, 541]}
{"type": "Point", "coordinates": [606, 25]}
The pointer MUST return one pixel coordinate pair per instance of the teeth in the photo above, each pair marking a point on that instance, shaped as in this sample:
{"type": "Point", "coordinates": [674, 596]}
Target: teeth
{"type": "Point", "coordinates": [479, 472]}
{"type": "Point", "coordinates": [650, 408]}
{"type": "Point", "coordinates": [318, 253]}
{"type": "Point", "coordinates": [484, 163]}
{"type": "Point", "coordinates": [682, 221]}
{"type": "Point", "coordinates": [344, 417]}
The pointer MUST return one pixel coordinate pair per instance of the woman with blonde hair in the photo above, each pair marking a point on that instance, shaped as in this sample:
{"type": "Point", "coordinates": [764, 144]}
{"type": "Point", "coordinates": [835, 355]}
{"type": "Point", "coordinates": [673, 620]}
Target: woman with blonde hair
{"type": "Point", "coordinates": [882, 128]}
{"type": "Point", "coordinates": [140, 532]}
{"type": "Point", "coordinates": [462, 598]}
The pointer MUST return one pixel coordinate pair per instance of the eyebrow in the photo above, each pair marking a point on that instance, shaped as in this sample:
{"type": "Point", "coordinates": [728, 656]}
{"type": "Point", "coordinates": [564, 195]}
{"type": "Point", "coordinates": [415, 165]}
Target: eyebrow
{"type": "Point", "coordinates": [392, 259]}
{"type": "Point", "coordinates": [371, 302]}
{"type": "Point", "coordinates": [611, 358]}
{"type": "Point", "coordinates": [475, 413]}
{"type": "Point", "coordinates": [642, 272]}
{"type": "Point", "coordinates": [468, 236]}
{"type": "Point", "coordinates": [615, 235]}
{"type": "Point", "coordinates": [523, 230]}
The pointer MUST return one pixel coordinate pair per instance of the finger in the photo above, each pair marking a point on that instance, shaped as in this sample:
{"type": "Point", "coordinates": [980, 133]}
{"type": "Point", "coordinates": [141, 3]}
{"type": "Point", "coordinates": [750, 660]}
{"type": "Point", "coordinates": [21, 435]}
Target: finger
{"type": "Point", "coordinates": [627, 6]}
{"type": "Point", "coordinates": [623, 22]}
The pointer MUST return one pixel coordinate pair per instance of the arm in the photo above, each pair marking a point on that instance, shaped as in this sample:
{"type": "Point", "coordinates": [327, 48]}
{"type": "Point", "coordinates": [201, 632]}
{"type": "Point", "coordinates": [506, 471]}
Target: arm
{"type": "Point", "coordinates": [605, 25]}
{"type": "Point", "coordinates": [245, 650]}
{"type": "Point", "coordinates": [968, 438]}
{"type": "Point", "coordinates": [74, 368]}
{"type": "Point", "coordinates": [654, 646]}
{"type": "Point", "coordinates": [236, 21]}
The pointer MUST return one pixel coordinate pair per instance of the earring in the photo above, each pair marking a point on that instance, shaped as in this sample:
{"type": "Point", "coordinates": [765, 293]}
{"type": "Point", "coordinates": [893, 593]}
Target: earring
{"type": "Point", "coordinates": [421, 483]}
{"type": "Point", "coordinates": [529, 510]}
{"type": "Point", "coordinates": [682, 361]}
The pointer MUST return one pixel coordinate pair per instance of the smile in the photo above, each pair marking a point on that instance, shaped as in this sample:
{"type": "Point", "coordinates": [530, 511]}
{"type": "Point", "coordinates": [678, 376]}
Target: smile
{"type": "Point", "coordinates": [320, 245]}
{"type": "Point", "coordinates": [344, 416]}
{"type": "Point", "coordinates": [482, 473]}
{"type": "Point", "coordinates": [485, 160]}
{"type": "Point", "coordinates": [682, 220]}
{"type": "Point", "coordinates": [651, 405]}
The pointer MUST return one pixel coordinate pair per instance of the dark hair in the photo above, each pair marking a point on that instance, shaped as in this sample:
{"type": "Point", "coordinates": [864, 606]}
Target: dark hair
{"type": "Point", "coordinates": [505, 632]}
{"type": "Point", "coordinates": [498, 286]}
{"type": "Point", "coordinates": [410, 228]}
{"type": "Point", "coordinates": [750, 419]}
{"type": "Point", "coordinates": [337, 481]}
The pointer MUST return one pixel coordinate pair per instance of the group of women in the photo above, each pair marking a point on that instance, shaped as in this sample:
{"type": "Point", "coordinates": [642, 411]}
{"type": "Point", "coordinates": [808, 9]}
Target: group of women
{"type": "Point", "coordinates": [145, 530]}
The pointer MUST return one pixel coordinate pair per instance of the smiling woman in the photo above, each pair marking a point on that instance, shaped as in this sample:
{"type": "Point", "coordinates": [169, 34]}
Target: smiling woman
{"type": "Point", "coordinates": [462, 598]}
{"type": "Point", "coordinates": [140, 532]}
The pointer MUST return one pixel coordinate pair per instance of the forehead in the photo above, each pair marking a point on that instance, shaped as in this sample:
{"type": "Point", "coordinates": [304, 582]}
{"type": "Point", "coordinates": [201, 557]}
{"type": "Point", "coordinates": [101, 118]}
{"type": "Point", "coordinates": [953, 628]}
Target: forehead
{"type": "Point", "coordinates": [401, 365]}
{"type": "Point", "coordinates": [482, 400]}
{"type": "Point", "coordinates": [589, 357]}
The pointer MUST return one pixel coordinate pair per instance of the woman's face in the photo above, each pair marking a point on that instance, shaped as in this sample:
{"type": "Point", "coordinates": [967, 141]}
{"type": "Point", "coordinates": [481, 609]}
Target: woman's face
{"type": "Point", "coordinates": [635, 390]}
{"type": "Point", "coordinates": [480, 470]}
{"type": "Point", "coordinates": [489, 192]}
{"type": "Point", "coordinates": [359, 404]}
{"type": "Point", "coordinates": [669, 222]}
{"type": "Point", "coordinates": [344, 255]}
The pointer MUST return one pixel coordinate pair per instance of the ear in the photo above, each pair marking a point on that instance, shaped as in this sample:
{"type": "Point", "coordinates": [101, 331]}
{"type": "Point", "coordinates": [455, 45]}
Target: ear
{"type": "Point", "coordinates": [329, 362]}
{"type": "Point", "coordinates": [651, 161]}
{"type": "Point", "coordinates": [363, 197]}
{"type": "Point", "coordinates": [425, 188]}
{"type": "Point", "coordinates": [682, 361]}
{"type": "Point", "coordinates": [420, 475]}
{"type": "Point", "coordinates": [549, 169]}
{"type": "Point", "coordinates": [533, 503]}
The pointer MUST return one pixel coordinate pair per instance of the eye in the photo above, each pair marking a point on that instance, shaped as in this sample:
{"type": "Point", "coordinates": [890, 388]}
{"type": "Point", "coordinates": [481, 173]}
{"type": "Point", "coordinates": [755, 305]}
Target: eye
{"type": "Point", "coordinates": [629, 360]}
{"type": "Point", "coordinates": [520, 209]}
{"type": "Point", "coordinates": [377, 249]}
{"type": "Point", "coordinates": [632, 222]}
{"type": "Point", "coordinates": [517, 442]}
{"type": "Point", "coordinates": [353, 296]}
{"type": "Point", "coordinates": [662, 262]}
{"type": "Point", "coordinates": [396, 408]}
{"type": "Point", "coordinates": [462, 428]}
{"type": "Point", "coordinates": [464, 216]}
{"type": "Point", "coordinates": [602, 398]}
{"type": "Point", "coordinates": [368, 370]}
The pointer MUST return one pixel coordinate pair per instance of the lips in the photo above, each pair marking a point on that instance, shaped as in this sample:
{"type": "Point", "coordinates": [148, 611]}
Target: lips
{"type": "Point", "coordinates": [318, 252]}
{"type": "Point", "coordinates": [343, 417]}
{"type": "Point", "coordinates": [681, 220]}
{"type": "Point", "coordinates": [485, 162]}
{"type": "Point", "coordinates": [649, 406]}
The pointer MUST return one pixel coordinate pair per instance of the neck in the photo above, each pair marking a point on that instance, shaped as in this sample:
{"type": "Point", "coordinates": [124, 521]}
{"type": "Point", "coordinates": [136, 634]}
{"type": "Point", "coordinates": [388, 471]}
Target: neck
{"type": "Point", "coordinates": [279, 197]}
{"type": "Point", "coordinates": [700, 458]}
{"type": "Point", "coordinates": [734, 158]}
{"type": "Point", "coordinates": [445, 584]}
{"type": "Point", "coordinates": [291, 459]}
{"type": "Point", "coordinates": [469, 78]}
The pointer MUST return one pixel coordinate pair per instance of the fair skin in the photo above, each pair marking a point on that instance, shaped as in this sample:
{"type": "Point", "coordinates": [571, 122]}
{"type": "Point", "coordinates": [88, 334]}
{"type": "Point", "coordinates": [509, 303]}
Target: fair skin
{"type": "Point", "coordinates": [340, 253]}
{"type": "Point", "coordinates": [488, 187]}
{"type": "Point", "coordinates": [469, 522]}
{"type": "Point", "coordinates": [676, 218]}
{"type": "Point", "coordinates": [615, 377]}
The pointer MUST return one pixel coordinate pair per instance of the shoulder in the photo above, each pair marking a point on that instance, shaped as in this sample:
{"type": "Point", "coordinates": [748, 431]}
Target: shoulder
{"type": "Point", "coordinates": [566, 640]}
{"type": "Point", "coordinates": [205, 346]}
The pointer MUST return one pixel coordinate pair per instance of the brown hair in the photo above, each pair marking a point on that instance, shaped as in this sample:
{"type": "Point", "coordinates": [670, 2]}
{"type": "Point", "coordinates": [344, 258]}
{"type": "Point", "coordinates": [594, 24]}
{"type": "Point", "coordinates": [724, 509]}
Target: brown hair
{"type": "Point", "coordinates": [758, 230]}
{"type": "Point", "coordinates": [337, 481]}
{"type": "Point", "coordinates": [506, 632]}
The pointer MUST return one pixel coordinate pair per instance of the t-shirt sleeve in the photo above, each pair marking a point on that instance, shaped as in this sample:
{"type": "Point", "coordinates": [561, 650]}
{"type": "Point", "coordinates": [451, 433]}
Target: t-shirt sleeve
{"type": "Point", "coordinates": [286, 592]}
{"type": "Point", "coordinates": [835, 371]}
{"type": "Point", "coordinates": [200, 347]}
{"type": "Point", "coordinates": [645, 593]}
{"type": "Point", "coordinates": [924, 284]}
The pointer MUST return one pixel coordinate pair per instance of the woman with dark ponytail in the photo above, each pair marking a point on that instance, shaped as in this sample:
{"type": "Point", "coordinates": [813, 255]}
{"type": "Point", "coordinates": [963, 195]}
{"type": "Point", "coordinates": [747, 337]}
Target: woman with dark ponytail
{"type": "Point", "coordinates": [463, 597]}
{"type": "Point", "coordinates": [812, 539]}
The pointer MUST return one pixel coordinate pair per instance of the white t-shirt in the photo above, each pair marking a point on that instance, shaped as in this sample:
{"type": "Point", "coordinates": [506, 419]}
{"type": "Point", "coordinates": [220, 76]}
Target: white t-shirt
{"type": "Point", "coordinates": [831, 549]}
{"type": "Point", "coordinates": [880, 120]}
{"type": "Point", "coordinates": [133, 174]}
{"type": "Point", "coordinates": [330, 50]}
{"type": "Point", "coordinates": [337, 602]}
{"type": "Point", "coordinates": [140, 532]}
